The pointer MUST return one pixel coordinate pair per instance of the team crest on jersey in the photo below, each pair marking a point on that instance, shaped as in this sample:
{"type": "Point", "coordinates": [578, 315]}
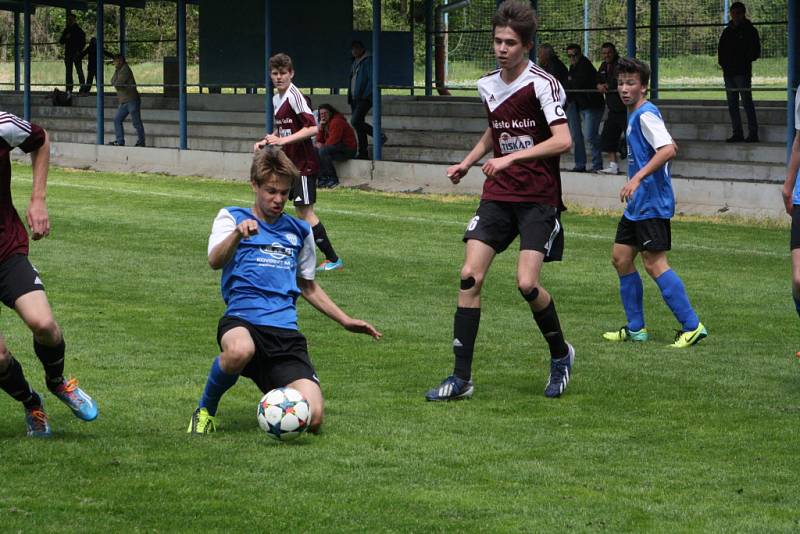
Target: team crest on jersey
{"type": "Point", "coordinates": [509, 143]}
{"type": "Point", "coordinates": [293, 239]}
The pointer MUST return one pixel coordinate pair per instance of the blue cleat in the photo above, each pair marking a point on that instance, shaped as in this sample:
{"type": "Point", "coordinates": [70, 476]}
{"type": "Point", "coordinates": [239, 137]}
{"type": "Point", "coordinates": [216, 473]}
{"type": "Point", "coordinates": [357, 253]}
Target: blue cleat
{"type": "Point", "coordinates": [560, 371]}
{"type": "Point", "coordinates": [328, 265]}
{"type": "Point", "coordinates": [36, 421]}
{"type": "Point", "coordinates": [451, 388]}
{"type": "Point", "coordinates": [78, 401]}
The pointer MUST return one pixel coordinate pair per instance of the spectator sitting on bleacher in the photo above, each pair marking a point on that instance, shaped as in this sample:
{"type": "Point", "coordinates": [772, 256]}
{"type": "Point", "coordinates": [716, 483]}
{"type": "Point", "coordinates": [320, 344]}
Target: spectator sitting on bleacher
{"type": "Point", "coordinates": [585, 108]}
{"type": "Point", "coordinates": [129, 102]}
{"type": "Point", "coordinates": [335, 140]}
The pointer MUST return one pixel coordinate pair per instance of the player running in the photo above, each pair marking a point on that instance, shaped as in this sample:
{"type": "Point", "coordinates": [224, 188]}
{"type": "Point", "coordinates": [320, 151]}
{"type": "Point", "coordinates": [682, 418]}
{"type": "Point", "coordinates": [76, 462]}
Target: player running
{"type": "Point", "coordinates": [791, 201]}
{"type": "Point", "coordinates": [267, 259]}
{"type": "Point", "coordinates": [521, 196]}
{"type": "Point", "coordinates": [21, 288]}
{"type": "Point", "coordinates": [295, 127]}
{"type": "Point", "coordinates": [645, 225]}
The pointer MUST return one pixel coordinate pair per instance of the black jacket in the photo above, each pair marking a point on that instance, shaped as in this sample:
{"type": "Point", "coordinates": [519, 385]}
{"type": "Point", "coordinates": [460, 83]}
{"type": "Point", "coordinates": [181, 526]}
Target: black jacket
{"type": "Point", "coordinates": [738, 47]}
{"type": "Point", "coordinates": [557, 69]}
{"type": "Point", "coordinates": [607, 73]}
{"type": "Point", "coordinates": [74, 41]}
{"type": "Point", "coordinates": [583, 76]}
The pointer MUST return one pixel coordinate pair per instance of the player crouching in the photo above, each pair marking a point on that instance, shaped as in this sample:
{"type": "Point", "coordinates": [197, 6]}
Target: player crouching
{"type": "Point", "coordinates": [267, 259]}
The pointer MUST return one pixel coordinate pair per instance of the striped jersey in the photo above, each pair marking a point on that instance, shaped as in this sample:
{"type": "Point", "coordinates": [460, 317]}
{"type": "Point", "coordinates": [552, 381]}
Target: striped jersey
{"type": "Point", "coordinates": [292, 114]}
{"type": "Point", "coordinates": [520, 115]}
{"type": "Point", "coordinates": [259, 283]}
{"type": "Point", "coordinates": [14, 133]}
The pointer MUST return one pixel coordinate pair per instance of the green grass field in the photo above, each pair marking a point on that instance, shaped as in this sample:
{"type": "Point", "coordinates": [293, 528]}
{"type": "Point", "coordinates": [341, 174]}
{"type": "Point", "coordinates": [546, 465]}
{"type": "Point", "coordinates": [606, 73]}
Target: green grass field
{"type": "Point", "coordinates": [646, 438]}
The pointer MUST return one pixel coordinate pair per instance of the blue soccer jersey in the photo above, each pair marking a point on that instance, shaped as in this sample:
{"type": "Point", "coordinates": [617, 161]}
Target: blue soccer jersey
{"type": "Point", "coordinates": [259, 284]}
{"type": "Point", "coordinates": [647, 133]}
{"type": "Point", "coordinates": [796, 194]}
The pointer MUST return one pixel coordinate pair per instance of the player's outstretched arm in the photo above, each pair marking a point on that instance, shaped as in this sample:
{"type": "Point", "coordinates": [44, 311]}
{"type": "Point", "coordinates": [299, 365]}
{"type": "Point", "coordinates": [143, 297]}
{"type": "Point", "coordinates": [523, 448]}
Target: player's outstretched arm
{"type": "Point", "coordinates": [221, 254]}
{"type": "Point", "coordinates": [459, 170]}
{"type": "Point", "coordinates": [38, 219]}
{"type": "Point", "coordinates": [317, 297]}
{"type": "Point", "coordinates": [660, 158]}
{"type": "Point", "coordinates": [791, 174]}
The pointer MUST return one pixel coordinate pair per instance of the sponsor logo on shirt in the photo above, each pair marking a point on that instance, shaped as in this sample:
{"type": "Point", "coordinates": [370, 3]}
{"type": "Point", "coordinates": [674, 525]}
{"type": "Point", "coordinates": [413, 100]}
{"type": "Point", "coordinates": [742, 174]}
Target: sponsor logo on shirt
{"type": "Point", "coordinates": [498, 124]}
{"type": "Point", "coordinates": [509, 144]}
{"type": "Point", "coordinates": [277, 251]}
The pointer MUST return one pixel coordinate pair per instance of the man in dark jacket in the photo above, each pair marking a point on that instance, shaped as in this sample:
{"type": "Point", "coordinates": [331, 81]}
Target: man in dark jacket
{"type": "Point", "coordinates": [617, 118]}
{"type": "Point", "coordinates": [74, 40]}
{"type": "Point", "coordinates": [585, 108]}
{"type": "Point", "coordinates": [91, 66]}
{"type": "Point", "coordinates": [359, 96]}
{"type": "Point", "coordinates": [739, 46]}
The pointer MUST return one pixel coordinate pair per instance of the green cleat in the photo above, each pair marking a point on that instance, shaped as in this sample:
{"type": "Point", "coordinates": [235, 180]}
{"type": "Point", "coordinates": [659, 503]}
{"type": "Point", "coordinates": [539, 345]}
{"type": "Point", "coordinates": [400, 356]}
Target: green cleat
{"type": "Point", "coordinates": [687, 339]}
{"type": "Point", "coordinates": [202, 422]}
{"type": "Point", "coordinates": [623, 334]}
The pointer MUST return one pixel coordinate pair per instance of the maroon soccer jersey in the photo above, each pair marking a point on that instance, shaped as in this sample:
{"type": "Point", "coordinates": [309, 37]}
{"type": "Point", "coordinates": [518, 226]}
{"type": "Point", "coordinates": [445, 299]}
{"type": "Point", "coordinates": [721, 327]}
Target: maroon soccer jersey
{"type": "Point", "coordinates": [14, 132]}
{"type": "Point", "coordinates": [520, 115]}
{"type": "Point", "coordinates": [292, 114]}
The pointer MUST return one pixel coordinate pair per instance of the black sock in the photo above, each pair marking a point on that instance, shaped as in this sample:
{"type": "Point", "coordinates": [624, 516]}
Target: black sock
{"type": "Point", "coordinates": [13, 382]}
{"type": "Point", "coordinates": [324, 244]}
{"type": "Point", "coordinates": [52, 359]}
{"type": "Point", "coordinates": [547, 321]}
{"type": "Point", "coordinates": [465, 330]}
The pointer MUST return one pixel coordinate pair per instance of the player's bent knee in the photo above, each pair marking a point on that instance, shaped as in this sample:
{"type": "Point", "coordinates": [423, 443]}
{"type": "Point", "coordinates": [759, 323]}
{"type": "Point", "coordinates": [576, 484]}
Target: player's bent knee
{"type": "Point", "coordinates": [45, 330]}
{"type": "Point", "coordinates": [5, 357]}
{"type": "Point", "coordinates": [529, 292]}
{"type": "Point", "coordinates": [236, 356]}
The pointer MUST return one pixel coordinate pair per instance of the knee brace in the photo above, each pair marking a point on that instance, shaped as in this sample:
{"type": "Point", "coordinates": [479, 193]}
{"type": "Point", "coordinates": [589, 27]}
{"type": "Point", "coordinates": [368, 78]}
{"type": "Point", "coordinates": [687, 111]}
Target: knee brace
{"type": "Point", "coordinates": [530, 296]}
{"type": "Point", "coordinates": [468, 283]}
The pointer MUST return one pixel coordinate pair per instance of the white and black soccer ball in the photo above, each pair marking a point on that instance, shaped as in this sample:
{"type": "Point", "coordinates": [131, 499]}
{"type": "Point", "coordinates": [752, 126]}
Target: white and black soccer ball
{"type": "Point", "coordinates": [283, 414]}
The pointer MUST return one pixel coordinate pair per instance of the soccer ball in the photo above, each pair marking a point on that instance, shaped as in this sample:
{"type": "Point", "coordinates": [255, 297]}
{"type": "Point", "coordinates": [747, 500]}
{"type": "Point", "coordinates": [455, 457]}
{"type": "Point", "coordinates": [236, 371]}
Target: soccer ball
{"type": "Point", "coordinates": [283, 414]}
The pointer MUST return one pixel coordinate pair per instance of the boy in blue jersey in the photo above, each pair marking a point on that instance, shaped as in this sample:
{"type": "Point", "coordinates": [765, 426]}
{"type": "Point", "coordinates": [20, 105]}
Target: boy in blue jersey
{"type": "Point", "coordinates": [267, 259]}
{"type": "Point", "coordinates": [791, 201]}
{"type": "Point", "coordinates": [645, 224]}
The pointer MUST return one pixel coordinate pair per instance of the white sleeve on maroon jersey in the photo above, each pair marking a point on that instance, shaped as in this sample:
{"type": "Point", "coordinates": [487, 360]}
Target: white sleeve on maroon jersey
{"type": "Point", "coordinates": [224, 225]}
{"type": "Point", "coordinates": [551, 97]}
{"type": "Point", "coordinates": [13, 129]}
{"type": "Point", "coordinates": [654, 130]}
{"type": "Point", "coordinates": [298, 101]}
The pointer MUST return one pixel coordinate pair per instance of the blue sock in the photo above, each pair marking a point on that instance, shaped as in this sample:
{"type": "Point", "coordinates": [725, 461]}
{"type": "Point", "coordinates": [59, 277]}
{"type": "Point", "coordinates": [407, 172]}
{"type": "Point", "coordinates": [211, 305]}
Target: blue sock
{"type": "Point", "coordinates": [217, 384]}
{"type": "Point", "coordinates": [796, 304]}
{"type": "Point", "coordinates": [632, 293]}
{"type": "Point", "coordinates": [675, 296]}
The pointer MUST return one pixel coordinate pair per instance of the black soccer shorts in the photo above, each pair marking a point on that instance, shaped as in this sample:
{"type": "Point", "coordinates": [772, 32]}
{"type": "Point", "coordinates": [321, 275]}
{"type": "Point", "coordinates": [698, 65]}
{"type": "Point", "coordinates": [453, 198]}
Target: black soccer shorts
{"type": "Point", "coordinates": [652, 235]}
{"type": "Point", "coordinates": [538, 226]}
{"type": "Point", "coordinates": [281, 355]}
{"type": "Point", "coordinates": [18, 277]}
{"type": "Point", "coordinates": [304, 191]}
{"type": "Point", "coordinates": [794, 241]}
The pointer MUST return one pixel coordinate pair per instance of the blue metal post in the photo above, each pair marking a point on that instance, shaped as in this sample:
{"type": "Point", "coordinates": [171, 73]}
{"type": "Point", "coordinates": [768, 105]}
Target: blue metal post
{"type": "Point", "coordinates": [123, 31]}
{"type": "Point", "coordinates": [631, 28]}
{"type": "Point", "coordinates": [377, 148]}
{"type": "Point", "coordinates": [792, 77]}
{"type": "Point", "coordinates": [100, 105]}
{"type": "Point", "coordinates": [181, 8]}
{"type": "Point", "coordinates": [268, 108]}
{"type": "Point", "coordinates": [533, 55]}
{"type": "Point", "coordinates": [17, 72]}
{"type": "Point", "coordinates": [654, 8]}
{"type": "Point", "coordinates": [428, 47]}
{"type": "Point", "coordinates": [26, 99]}
{"type": "Point", "coordinates": [586, 27]}
{"type": "Point", "coordinates": [726, 8]}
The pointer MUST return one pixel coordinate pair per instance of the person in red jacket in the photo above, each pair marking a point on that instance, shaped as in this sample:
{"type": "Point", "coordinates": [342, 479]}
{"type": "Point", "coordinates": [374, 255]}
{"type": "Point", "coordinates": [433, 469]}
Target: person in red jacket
{"type": "Point", "coordinates": [335, 140]}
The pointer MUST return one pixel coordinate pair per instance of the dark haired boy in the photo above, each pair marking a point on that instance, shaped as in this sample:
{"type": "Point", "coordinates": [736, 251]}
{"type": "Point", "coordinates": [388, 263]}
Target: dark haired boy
{"type": "Point", "coordinates": [521, 196]}
{"type": "Point", "coordinates": [645, 225]}
{"type": "Point", "coordinates": [295, 127]}
{"type": "Point", "coordinates": [267, 260]}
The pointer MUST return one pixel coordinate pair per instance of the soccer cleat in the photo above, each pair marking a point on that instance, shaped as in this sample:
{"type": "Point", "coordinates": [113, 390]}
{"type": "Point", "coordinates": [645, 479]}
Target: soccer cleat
{"type": "Point", "coordinates": [328, 265]}
{"type": "Point", "coordinates": [687, 339]}
{"type": "Point", "coordinates": [202, 422]}
{"type": "Point", "coordinates": [625, 334]}
{"type": "Point", "coordinates": [560, 371]}
{"type": "Point", "coordinates": [76, 399]}
{"type": "Point", "coordinates": [36, 421]}
{"type": "Point", "coordinates": [451, 388]}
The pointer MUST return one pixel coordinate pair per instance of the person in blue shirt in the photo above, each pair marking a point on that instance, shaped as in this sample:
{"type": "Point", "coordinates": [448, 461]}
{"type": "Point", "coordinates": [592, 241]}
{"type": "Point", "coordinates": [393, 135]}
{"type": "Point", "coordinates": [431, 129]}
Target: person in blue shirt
{"type": "Point", "coordinates": [645, 225]}
{"type": "Point", "coordinates": [268, 260]}
{"type": "Point", "coordinates": [791, 201]}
